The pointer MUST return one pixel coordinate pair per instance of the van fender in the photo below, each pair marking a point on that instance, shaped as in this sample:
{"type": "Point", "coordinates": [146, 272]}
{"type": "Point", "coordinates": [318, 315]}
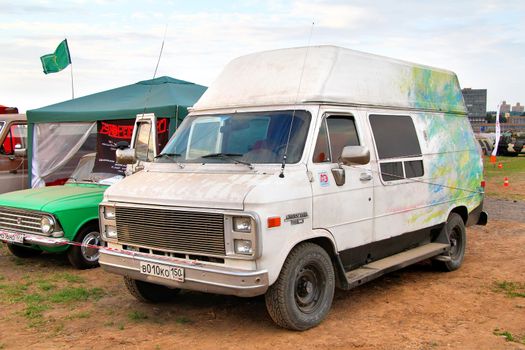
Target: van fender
{"type": "Point", "coordinates": [460, 209]}
{"type": "Point", "coordinates": [321, 237]}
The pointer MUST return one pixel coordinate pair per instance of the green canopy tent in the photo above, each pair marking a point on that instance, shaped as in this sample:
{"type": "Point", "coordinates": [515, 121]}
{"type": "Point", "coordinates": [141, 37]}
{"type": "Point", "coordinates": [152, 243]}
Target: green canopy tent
{"type": "Point", "coordinates": [164, 96]}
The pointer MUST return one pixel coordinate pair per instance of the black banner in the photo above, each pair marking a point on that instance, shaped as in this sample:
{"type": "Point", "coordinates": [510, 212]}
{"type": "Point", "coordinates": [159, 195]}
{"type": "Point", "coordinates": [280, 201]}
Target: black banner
{"type": "Point", "coordinates": [113, 131]}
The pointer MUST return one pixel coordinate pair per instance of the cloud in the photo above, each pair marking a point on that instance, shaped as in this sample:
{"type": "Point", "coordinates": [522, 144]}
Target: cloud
{"type": "Point", "coordinates": [116, 43]}
{"type": "Point", "coordinates": [330, 15]}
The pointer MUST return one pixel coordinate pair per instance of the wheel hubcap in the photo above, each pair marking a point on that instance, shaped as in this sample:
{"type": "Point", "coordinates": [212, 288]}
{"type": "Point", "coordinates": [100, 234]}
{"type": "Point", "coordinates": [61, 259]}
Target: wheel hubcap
{"type": "Point", "coordinates": [90, 253]}
{"type": "Point", "coordinates": [308, 288]}
{"type": "Point", "coordinates": [455, 243]}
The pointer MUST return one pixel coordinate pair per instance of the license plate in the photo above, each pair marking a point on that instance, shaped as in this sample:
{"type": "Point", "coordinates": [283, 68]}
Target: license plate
{"type": "Point", "coordinates": [164, 271]}
{"type": "Point", "coordinates": [11, 237]}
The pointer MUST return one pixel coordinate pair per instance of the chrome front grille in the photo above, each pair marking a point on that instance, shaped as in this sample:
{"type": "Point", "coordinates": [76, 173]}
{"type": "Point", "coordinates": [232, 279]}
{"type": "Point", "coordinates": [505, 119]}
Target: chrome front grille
{"type": "Point", "coordinates": [171, 230]}
{"type": "Point", "coordinates": [19, 220]}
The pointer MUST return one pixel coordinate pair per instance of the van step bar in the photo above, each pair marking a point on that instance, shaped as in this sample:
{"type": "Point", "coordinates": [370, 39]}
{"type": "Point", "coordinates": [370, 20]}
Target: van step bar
{"type": "Point", "coordinates": [378, 268]}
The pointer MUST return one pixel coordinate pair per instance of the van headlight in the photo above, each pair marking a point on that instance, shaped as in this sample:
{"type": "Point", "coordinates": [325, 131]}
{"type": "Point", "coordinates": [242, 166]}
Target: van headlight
{"type": "Point", "coordinates": [109, 212]}
{"type": "Point", "coordinates": [241, 236]}
{"type": "Point", "coordinates": [111, 231]}
{"type": "Point", "coordinates": [242, 224]}
{"type": "Point", "coordinates": [243, 246]}
{"type": "Point", "coordinates": [47, 224]}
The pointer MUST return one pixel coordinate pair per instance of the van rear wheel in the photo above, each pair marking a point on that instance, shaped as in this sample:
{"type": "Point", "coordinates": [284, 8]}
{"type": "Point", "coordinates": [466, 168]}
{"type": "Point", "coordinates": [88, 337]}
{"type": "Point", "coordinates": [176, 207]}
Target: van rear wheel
{"type": "Point", "coordinates": [302, 295]}
{"type": "Point", "coordinates": [149, 292]}
{"type": "Point", "coordinates": [456, 233]}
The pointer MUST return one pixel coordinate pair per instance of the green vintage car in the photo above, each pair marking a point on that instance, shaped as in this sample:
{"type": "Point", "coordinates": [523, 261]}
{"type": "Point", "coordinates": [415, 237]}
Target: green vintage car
{"type": "Point", "coordinates": [54, 219]}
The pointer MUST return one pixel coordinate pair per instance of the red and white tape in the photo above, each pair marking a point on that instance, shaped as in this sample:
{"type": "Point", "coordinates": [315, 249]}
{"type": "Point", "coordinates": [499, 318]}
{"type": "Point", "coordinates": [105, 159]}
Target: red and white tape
{"type": "Point", "coordinates": [127, 252]}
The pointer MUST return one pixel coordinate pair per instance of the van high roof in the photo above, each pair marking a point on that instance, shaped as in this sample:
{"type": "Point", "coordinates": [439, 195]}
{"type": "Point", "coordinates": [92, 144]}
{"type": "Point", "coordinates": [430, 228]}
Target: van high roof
{"type": "Point", "coordinates": [332, 75]}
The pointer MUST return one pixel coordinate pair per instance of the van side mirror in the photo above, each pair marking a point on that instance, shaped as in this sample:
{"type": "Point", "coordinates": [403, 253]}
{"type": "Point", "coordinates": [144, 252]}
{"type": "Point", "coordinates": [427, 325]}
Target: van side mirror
{"type": "Point", "coordinates": [355, 155]}
{"type": "Point", "coordinates": [19, 151]}
{"type": "Point", "coordinates": [122, 145]}
{"type": "Point", "coordinates": [124, 154]}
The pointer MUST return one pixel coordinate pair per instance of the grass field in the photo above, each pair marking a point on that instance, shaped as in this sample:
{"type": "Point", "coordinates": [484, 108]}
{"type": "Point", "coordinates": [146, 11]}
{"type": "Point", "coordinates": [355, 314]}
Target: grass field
{"type": "Point", "coordinates": [514, 169]}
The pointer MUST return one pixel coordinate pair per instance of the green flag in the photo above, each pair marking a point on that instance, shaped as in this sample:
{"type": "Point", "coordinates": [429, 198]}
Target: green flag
{"type": "Point", "coordinates": [55, 62]}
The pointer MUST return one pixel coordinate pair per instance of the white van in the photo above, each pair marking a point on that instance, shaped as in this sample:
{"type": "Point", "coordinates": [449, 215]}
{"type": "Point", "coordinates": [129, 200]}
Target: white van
{"type": "Point", "coordinates": [297, 171]}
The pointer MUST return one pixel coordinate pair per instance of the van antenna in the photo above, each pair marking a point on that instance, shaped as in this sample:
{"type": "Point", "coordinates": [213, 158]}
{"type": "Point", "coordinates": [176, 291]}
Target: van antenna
{"type": "Point", "coordinates": [283, 164]}
{"type": "Point", "coordinates": [156, 68]}
{"type": "Point", "coordinates": [151, 85]}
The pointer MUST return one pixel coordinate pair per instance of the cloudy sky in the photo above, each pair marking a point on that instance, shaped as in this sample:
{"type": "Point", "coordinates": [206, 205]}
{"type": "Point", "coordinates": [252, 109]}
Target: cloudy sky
{"type": "Point", "coordinates": [117, 42]}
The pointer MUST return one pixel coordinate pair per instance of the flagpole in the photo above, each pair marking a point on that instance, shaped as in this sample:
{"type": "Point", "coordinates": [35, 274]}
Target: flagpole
{"type": "Point", "coordinates": [72, 86]}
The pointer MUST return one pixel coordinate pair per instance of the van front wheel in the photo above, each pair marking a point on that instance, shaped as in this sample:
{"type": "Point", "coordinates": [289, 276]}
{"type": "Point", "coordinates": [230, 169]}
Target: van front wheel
{"type": "Point", "coordinates": [149, 292]}
{"type": "Point", "coordinates": [302, 295]}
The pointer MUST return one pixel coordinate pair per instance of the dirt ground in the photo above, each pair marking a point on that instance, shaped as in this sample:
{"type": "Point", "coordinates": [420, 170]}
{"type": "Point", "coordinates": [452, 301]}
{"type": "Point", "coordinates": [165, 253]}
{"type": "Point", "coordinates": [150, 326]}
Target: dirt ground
{"type": "Point", "coordinates": [46, 304]}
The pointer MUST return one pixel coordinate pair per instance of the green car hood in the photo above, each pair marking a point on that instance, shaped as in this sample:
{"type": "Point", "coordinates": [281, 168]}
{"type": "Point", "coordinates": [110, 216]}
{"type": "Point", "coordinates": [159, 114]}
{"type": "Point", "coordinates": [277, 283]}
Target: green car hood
{"type": "Point", "coordinates": [54, 198]}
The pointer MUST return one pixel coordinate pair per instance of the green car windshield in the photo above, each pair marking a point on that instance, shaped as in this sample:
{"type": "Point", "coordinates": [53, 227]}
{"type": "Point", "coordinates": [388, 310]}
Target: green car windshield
{"type": "Point", "coordinates": [258, 137]}
{"type": "Point", "coordinates": [84, 173]}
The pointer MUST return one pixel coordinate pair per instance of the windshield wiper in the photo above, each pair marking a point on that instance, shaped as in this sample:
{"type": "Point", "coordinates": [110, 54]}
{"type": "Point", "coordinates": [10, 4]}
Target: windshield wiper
{"type": "Point", "coordinates": [170, 155]}
{"type": "Point", "coordinates": [230, 157]}
{"type": "Point", "coordinates": [167, 155]}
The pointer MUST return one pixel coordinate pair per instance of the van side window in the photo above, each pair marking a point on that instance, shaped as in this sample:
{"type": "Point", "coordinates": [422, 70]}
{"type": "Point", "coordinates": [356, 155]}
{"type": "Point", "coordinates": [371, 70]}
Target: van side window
{"type": "Point", "coordinates": [335, 133]}
{"type": "Point", "coordinates": [395, 137]}
{"type": "Point", "coordinates": [16, 138]}
{"type": "Point", "coordinates": [322, 150]}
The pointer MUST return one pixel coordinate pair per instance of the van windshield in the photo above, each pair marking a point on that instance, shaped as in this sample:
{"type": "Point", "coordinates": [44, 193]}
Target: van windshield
{"type": "Point", "coordinates": [259, 137]}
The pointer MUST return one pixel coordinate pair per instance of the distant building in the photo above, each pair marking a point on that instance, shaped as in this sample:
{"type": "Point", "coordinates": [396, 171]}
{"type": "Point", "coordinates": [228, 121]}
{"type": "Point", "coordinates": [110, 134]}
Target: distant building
{"type": "Point", "coordinates": [517, 120]}
{"type": "Point", "coordinates": [514, 123]}
{"type": "Point", "coordinates": [518, 108]}
{"type": "Point", "coordinates": [504, 107]}
{"type": "Point", "coordinates": [476, 102]}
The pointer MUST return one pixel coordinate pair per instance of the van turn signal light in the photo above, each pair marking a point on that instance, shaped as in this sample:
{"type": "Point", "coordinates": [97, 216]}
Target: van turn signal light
{"type": "Point", "coordinates": [274, 221]}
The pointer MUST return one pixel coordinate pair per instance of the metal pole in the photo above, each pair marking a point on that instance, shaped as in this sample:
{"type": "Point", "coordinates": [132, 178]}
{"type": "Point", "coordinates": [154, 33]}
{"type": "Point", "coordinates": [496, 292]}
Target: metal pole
{"type": "Point", "coordinates": [72, 86]}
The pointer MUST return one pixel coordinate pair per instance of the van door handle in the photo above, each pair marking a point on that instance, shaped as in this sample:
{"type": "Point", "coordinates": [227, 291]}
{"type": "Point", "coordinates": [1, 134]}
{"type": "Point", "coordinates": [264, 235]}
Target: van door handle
{"type": "Point", "coordinates": [365, 177]}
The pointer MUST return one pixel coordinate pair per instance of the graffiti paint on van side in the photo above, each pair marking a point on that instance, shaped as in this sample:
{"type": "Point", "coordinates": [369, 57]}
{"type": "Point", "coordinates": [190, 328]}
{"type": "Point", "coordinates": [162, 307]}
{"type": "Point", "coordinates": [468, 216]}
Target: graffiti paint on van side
{"type": "Point", "coordinates": [453, 167]}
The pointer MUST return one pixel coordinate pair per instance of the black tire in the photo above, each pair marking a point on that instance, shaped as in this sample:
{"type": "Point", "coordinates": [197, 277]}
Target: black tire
{"type": "Point", "coordinates": [150, 292]}
{"type": "Point", "coordinates": [84, 257]}
{"type": "Point", "coordinates": [23, 252]}
{"type": "Point", "coordinates": [455, 230]}
{"type": "Point", "coordinates": [302, 295]}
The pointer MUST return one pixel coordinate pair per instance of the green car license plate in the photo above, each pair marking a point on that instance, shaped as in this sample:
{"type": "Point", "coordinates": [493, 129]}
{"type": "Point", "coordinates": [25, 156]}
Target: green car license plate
{"type": "Point", "coordinates": [11, 237]}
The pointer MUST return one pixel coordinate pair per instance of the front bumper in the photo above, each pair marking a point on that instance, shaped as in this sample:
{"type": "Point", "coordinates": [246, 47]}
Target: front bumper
{"type": "Point", "coordinates": [43, 241]}
{"type": "Point", "coordinates": [198, 276]}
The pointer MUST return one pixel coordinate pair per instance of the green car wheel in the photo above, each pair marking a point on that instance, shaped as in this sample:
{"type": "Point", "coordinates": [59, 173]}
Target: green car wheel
{"type": "Point", "coordinates": [85, 256]}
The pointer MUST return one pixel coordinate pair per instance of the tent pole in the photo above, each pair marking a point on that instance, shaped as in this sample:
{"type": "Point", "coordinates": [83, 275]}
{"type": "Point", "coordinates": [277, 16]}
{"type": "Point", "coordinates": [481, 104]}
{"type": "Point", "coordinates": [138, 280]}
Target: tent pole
{"type": "Point", "coordinates": [72, 87]}
{"type": "Point", "coordinates": [177, 118]}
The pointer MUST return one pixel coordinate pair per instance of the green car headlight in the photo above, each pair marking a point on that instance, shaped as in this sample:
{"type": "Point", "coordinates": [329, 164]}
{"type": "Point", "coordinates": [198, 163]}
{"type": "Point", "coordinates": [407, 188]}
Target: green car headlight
{"type": "Point", "coordinates": [47, 224]}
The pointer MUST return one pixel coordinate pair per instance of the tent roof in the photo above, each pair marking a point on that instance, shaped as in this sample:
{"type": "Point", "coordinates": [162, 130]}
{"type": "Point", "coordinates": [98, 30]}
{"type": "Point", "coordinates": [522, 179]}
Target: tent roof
{"type": "Point", "coordinates": [160, 96]}
{"type": "Point", "coordinates": [330, 74]}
